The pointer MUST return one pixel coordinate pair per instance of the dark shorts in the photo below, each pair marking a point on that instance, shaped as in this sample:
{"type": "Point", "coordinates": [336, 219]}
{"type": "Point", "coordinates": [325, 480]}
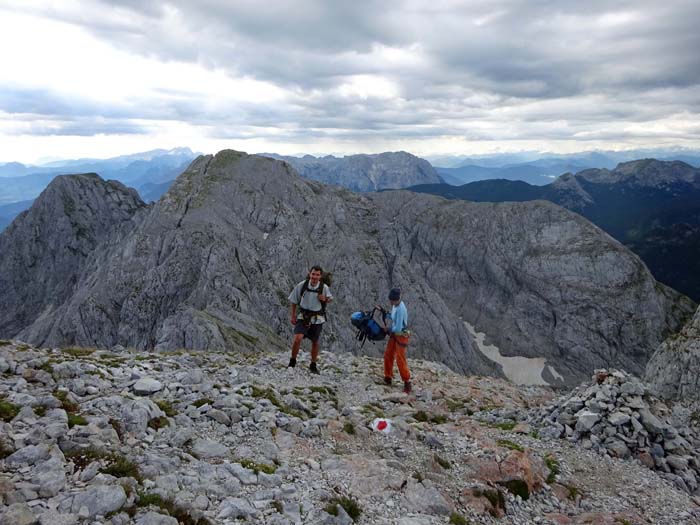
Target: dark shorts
{"type": "Point", "coordinates": [312, 332]}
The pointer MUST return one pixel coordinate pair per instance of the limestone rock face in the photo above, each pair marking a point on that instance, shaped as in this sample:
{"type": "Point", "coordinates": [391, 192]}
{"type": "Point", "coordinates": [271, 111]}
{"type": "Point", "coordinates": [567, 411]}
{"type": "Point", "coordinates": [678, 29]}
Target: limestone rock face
{"type": "Point", "coordinates": [388, 170]}
{"type": "Point", "coordinates": [43, 252]}
{"type": "Point", "coordinates": [210, 265]}
{"type": "Point", "coordinates": [674, 369]}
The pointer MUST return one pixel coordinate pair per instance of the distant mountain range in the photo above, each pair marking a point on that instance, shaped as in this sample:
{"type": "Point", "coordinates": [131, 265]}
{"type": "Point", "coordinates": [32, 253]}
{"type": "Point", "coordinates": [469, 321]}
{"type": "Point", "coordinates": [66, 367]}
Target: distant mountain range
{"type": "Point", "coordinates": [651, 206]}
{"type": "Point", "coordinates": [389, 170]}
{"type": "Point", "coordinates": [21, 183]}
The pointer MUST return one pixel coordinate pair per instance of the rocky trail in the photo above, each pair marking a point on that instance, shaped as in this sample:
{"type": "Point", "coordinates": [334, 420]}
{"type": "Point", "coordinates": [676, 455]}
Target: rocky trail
{"type": "Point", "coordinates": [125, 437]}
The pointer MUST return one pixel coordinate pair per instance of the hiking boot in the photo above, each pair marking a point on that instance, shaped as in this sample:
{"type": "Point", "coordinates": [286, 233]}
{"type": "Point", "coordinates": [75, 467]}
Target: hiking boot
{"type": "Point", "coordinates": [387, 381]}
{"type": "Point", "coordinates": [407, 387]}
{"type": "Point", "coordinates": [292, 363]}
{"type": "Point", "coordinates": [313, 368]}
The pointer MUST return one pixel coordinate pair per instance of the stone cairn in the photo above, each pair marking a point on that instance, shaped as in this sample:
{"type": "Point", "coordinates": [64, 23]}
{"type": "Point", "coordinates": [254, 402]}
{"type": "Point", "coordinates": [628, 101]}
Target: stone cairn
{"type": "Point", "coordinates": [616, 415]}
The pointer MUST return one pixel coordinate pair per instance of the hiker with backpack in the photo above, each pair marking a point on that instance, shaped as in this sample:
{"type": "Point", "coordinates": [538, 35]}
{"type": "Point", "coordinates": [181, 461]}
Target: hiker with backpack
{"type": "Point", "coordinates": [308, 313]}
{"type": "Point", "coordinates": [396, 348]}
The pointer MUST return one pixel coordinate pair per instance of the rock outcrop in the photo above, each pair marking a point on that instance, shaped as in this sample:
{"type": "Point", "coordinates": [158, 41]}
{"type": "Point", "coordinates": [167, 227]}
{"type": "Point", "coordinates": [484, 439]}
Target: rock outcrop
{"type": "Point", "coordinates": [44, 251]}
{"type": "Point", "coordinates": [388, 170]}
{"type": "Point", "coordinates": [617, 415]}
{"type": "Point", "coordinates": [674, 369]}
{"type": "Point", "coordinates": [210, 265]}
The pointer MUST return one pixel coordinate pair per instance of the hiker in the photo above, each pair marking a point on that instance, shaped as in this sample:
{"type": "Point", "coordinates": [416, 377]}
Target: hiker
{"type": "Point", "coordinates": [309, 299]}
{"type": "Point", "coordinates": [397, 328]}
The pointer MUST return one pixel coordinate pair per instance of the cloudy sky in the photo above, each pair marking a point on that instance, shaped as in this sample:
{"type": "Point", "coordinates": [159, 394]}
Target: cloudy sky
{"type": "Point", "coordinates": [98, 79]}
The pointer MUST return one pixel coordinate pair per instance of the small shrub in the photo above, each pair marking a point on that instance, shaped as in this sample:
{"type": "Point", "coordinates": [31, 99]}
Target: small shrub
{"type": "Point", "coordinates": [508, 425]}
{"type": "Point", "coordinates": [67, 405]}
{"type": "Point", "coordinates": [257, 467]}
{"type": "Point", "coordinates": [157, 423]}
{"type": "Point", "coordinates": [458, 519]}
{"type": "Point", "coordinates": [4, 450]}
{"type": "Point", "coordinates": [277, 506]}
{"type": "Point", "coordinates": [8, 410]}
{"type": "Point", "coordinates": [203, 401]}
{"type": "Point", "coordinates": [553, 466]}
{"type": "Point", "coordinates": [5, 342]}
{"type": "Point", "coordinates": [438, 419]}
{"type": "Point", "coordinates": [121, 467]}
{"type": "Point", "coordinates": [39, 410]}
{"type": "Point", "coordinates": [167, 407]}
{"type": "Point", "coordinates": [442, 462]}
{"type": "Point", "coordinates": [332, 509]}
{"type": "Point", "coordinates": [349, 428]}
{"type": "Point", "coordinates": [417, 476]}
{"type": "Point", "coordinates": [351, 507]}
{"type": "Point", "coordinates": [420, 416]}
{"type": "Point", "coordinates": [506, 443]}
{"type": "Point", "coordinates": [78, 352]}
{"type": "Point", "coordinates": [76, 419]}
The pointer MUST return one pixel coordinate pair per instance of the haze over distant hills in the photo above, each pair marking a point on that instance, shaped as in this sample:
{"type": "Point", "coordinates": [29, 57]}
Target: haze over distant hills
{"type": "Point", "coordinates": [651, 206]}
{"type": "Point", "coordinates": [538, 169]}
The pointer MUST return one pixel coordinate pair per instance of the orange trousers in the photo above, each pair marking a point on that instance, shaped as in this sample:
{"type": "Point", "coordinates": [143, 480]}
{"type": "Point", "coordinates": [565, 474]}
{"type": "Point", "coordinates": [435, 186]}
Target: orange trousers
{"type": "Point", "coordinates": [396, 349]}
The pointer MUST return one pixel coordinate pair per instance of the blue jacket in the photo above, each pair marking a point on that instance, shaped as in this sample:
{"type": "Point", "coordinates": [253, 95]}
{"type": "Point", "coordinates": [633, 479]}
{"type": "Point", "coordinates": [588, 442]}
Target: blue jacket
{"type": "Point", "coordinates": [399, 318]}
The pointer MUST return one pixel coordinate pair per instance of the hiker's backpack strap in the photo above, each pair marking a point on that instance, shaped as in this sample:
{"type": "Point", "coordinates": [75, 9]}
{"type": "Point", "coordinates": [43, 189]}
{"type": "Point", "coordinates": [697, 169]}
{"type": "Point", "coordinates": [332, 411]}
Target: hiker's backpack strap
{"type": "Point", "coordinates": [319, 290]}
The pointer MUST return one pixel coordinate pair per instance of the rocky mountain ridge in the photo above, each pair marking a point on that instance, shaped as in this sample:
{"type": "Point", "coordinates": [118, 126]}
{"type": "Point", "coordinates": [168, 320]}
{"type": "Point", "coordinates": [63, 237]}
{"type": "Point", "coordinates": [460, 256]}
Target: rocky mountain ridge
{"type": "Point", "coordinates": [364, 172]}
{"type": "Point", "coordinates": [209, 266]}
{"type": "Point", "coordinates": [648, 205]}
{"type": "Point", "coordinates": [140, 438]}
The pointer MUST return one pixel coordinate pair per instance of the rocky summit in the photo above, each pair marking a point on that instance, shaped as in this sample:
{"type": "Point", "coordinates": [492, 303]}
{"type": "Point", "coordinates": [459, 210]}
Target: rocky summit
{"type": "Point", "coordinates": [210, 265]}
{"type": "Point", "coordinates": [123, 437]}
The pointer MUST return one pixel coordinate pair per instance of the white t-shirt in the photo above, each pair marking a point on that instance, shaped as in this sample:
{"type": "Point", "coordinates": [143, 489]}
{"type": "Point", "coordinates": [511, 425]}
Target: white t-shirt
{"type": "Point", "coordinates": [310, 300]}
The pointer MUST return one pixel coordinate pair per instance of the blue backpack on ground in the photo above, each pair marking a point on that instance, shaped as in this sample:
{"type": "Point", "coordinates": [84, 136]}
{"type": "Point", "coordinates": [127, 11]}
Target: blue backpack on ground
{"type": "Point", "coordinates": [367, 327]}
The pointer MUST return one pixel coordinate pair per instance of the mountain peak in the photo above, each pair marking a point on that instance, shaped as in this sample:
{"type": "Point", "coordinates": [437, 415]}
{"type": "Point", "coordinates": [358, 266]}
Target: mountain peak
{"type": "Point", "coordinates": [646, 173]}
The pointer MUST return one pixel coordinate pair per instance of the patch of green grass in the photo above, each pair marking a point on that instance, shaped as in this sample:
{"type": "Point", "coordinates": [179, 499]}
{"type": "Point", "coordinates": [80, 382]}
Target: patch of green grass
{"type": "Point", "coordinates": [351, 507]}
{"type": "Point", "coordinates": [22, 347]}
{"type": "Point", "coordinates": [442, 462]}
{"type": "Point", "coordinates": [269, 394]}
{"type": "Point", "coordinates": [349, 428]}
{"type": "Point", "coordinates": [122, 467]}
{"type": "Point", "coordinates": [67, 405]}
{"type": "Point", "coordinates": [420, 416]}
{"type": "Point", "coordinates": [76, 419]}
{"type": "Point", "coordinates": [506, 443]}
{"type": "Point", "coordinates": [257, 467]}
{"type": "Point", "coordinates": [623, 521]}
{"type": "Point", "coordinates": [455, 404]}
{"type": "Point", "coordinates": [169, 507]}
{"type": "Point", "coordinates": [8, 410]}
{"type": "Point", "coordinates": [39, 410]}
{"type": "Point", "coordinates": [573, 492]}
{"type": "Point", "coordinates": [277, 505]}
{"type": "Point", "coordinates": [417, 476]}
{"type": "Point", "coordinates": [495, 498]}
{"type": "Point", "coordinates": [203, 401]}
{"type": "Point", "coordinates": [78, 352]}
{"type": "Point", "coordinates": [5, 342]}
{"type": "Point", "coordinates": [553, 466]}
{"type": "Point", "coordinates": [166, 407]}
{"type": "Point", "coordinates": [157, 423]}
{"type": "Point", "coordinates": [458, 519]}
{"type": "Point", "coordinates": [508, 425]}
{"type": "Point", "coordinates": [4, 450]}
{"type": "Point", "coordinates": [439, 419]}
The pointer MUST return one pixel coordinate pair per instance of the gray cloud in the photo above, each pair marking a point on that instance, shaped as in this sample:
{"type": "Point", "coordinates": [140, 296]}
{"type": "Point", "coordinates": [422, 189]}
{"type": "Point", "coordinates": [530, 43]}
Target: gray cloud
{"type": "Point", "coordinates": [486, 70]}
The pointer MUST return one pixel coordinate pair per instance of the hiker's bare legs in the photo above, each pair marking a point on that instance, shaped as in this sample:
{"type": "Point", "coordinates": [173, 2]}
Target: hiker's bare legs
{"type": "Point", "coordinates": [314, 351]}
{"type": "Point", "coordinates": [296, 344]}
